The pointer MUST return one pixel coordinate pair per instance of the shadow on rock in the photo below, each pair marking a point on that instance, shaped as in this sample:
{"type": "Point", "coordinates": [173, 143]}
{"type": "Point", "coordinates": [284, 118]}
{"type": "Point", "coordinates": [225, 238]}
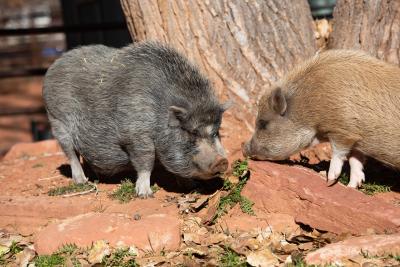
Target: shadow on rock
{"type": "Point", "coordinates": [160, 176]}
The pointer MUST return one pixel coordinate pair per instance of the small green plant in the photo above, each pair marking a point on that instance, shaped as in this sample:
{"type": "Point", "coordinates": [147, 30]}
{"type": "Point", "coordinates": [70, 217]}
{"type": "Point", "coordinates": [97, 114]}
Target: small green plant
{"type": "Point", "coordinates": [373, 188]}
{"type": "Point", "coordinates": [234, 196]}
{"type": "Point", "coordinates": [230, 258]}
{"type": "Point", "coordinates": [71, 188]}
{"type": "Point", "coordinates": [120, 257]}
{"type": "Point", "coordinates": [59, 258]}
{"type": "Point", "coordinates": [15, 248]}
{"type": "Point", "coordinates": [396, 257]}
{"type": "Point", "coordinates": [49, 260]}
{"type": "Point", "coordinates": [367, 188]}
{"type": "Point", "coordinates": [344, 178]}
{"type": "Point", "coordinates": [68, 249]}
{"type": "Point", "coordinates": [155, 188]}
{"type": "Point", "coordinates": [240, 167]}
{"type": "Point", "coordinates": [125, 192]}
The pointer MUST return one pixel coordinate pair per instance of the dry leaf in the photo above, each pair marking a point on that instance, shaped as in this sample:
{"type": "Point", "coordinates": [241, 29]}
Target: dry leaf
{"type": "Point", "coordinates": [200, 203]}
{"type": "Point", "coordinates": [24, 257]}
{"type": "Point", "coordinates": [262, 258]}
{"type": "Point", "coordinates": [213, 203]}
{"type": "Point", "coordinates": [199, 251]}
{"type": "Point", "coordinates": [216, 238]}
{"type": "Point", "coordinates": [306, 246]}
{"type": "Point", "coordinates": [99, 250]}
{"type": "Point", "coordinates": [190, 238]}
{"type": "Point", "coordinates": [4, 250]}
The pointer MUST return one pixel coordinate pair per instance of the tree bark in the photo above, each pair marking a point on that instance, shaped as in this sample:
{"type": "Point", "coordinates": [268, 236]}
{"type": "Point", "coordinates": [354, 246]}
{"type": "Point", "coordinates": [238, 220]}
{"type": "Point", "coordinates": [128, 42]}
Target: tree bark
{"type": "Point", "coordinates": [242, 46]}
{"type": "Point", "coordinates": [370, 25]}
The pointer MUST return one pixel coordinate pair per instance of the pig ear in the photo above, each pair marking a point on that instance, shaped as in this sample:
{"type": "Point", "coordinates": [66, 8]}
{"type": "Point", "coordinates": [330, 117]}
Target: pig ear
{"type": "Point", "coordinates": [227, 105]}
{"type": "Point", "coordinates": [277, 101]}
{"type": "Point", "coordinates": [176, 115]}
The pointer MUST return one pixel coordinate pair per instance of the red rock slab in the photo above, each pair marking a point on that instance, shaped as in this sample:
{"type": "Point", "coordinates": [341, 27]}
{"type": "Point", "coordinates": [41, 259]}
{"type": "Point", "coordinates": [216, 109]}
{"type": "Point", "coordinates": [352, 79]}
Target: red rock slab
{"type": "Point", "coordinates": [374, 245]}
{"type": "Point", "coordinates": [26, 215]}
{"type": "Point", "coordinates": [152, 233]}
{"type": "Point", "coordinates": [303, 193]}
{"type": "Point", "coordinates": [32, 149]}
{"type": "Point", "coordinates": [236, 220]}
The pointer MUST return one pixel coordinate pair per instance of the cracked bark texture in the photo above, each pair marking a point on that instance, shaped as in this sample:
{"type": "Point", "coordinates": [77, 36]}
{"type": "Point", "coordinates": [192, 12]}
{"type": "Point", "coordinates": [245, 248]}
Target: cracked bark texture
{"type": "Point", "coordinates": [242, 46]}
{"type": "Point", "coordinates": [370, 25]}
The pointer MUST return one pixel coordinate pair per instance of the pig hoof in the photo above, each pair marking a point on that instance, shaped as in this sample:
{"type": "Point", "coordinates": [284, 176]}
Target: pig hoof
{"type": "Point", "coordinates": [331, 182]}
{"type": "Point", "coordinates": [80, 180]}
{"type": "Point", "coordinates": [144, 196]}
{"type": "Point", "coordinates": [355, 183]}
{"type": "Point", "coordinates": [144, 192]}
{"type": "Point", "coordinates": [357, 177]}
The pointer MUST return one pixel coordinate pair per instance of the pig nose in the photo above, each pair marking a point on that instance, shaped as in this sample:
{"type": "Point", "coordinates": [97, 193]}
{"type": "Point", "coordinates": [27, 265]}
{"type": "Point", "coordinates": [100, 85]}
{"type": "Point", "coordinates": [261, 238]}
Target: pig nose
{"type": "Point", "coordinates": [220, 165]}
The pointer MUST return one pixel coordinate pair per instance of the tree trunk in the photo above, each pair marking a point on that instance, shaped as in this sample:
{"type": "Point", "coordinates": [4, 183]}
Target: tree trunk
{"type": "Point", "coordinates": [370, 25]}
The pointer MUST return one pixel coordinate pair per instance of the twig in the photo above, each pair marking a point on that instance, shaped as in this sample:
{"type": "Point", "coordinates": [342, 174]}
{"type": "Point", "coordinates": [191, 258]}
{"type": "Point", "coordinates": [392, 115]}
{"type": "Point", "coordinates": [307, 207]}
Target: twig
{"type": "Point", "coordinates": [94, 188]}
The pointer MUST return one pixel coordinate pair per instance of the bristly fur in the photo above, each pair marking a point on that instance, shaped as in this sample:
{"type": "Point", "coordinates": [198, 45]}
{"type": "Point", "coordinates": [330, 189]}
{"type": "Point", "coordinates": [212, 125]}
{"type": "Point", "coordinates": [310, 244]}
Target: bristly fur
{"type": "Point", "coordinates": [347, 96]}
{"type": "Point", "coordinates": [112, 107]}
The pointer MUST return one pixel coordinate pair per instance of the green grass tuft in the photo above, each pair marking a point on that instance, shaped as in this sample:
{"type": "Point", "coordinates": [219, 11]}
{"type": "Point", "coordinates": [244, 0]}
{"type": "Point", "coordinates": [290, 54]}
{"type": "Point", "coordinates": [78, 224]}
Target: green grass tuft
{"type": "Point", "coordinates": [68, 249]}
{"type": "Point", "coordinates": [15, 248]}
{"type": "Point", "coordinates": [49, 260]}
{"type": "Point", "coordinates": [229, 258]}
{"type": "Point", "coordinates": [58, 258]}
{"type": "Point", "coordinates": [71, 188]}
{"type": "Point", "coordinates": [234, 196]}
{"type": "Point", "coordinates": [367, 187]}
{"type": "Point", "coordinates": [125, 192]}
{"type": "Point", "coordinates": [240, 167]}
{"type": "Point", "coordinates": [344, 178]}
{"type": "Point", "coordinates": [373, 188]}
{"type": "Point", "coordinates": [120, 257]}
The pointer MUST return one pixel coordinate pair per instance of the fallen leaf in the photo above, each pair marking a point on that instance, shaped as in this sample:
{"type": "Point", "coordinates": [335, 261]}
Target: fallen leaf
{"type": "Point", "coordinates": [200, 203]}
{"type": "Point", "coordinates": [233, 179]}
{"type": "Point", "coordinates": [198, 251]}
{"type": "Point", "coordinates": [262, 258]}
{"type": "Point", "coordinates": [190, 238]}
{"type": "Point", "coordinates": [99, 250]}
{"type": "Point", "coordinates": [4, 250]}
{"type": "Point", "coordinates": [289, 248]}
{"type": "Point", "coordinates": [213, 203]}
{"type": "Point", "coordinates": [215, 238]}
{"type": "Point", "coordinates": [306, 246]}
{"type": "Point", "coordinates": [24, 257]}
{"type": "Point", "coordinates": [151, 261]}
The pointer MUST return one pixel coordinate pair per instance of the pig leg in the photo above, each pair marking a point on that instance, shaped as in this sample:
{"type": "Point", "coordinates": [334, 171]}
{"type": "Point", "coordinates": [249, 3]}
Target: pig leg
{"type": "Point", "coordinates": [66, 143]}
{"type": "Point", "coordinates": [339, 153]}
{"type": "Point", "coordinates": [357, 175]}
{"type": "Point", "coordinates": [142, 157]}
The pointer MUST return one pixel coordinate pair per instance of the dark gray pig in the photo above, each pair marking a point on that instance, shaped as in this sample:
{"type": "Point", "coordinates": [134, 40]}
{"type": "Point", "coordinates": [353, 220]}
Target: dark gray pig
{"type": "Point", "coordinates": [126, 107]}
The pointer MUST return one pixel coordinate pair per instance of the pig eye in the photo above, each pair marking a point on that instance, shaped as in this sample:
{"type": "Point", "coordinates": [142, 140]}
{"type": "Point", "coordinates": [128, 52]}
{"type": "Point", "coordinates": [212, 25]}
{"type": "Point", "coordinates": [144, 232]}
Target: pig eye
{"type": "Point", "coordinates": [215, 135]}
{"type": "Point", "coordinates": [262, 124]}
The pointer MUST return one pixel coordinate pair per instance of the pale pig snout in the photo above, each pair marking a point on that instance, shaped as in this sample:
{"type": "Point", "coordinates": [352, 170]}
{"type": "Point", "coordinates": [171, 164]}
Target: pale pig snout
{"type": "Point", "coordinates": [219, 165]}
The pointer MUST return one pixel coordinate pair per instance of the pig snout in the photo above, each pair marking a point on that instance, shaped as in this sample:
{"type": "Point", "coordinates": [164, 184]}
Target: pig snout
{"type": "Point", "coordinates": [210, 160]}
{"type": "Point", "coordinates": [252, 150]}
{"type": "Point", "coordinates": [219, 166]}
{"type": "Point", "coordinates": [246, 149]}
